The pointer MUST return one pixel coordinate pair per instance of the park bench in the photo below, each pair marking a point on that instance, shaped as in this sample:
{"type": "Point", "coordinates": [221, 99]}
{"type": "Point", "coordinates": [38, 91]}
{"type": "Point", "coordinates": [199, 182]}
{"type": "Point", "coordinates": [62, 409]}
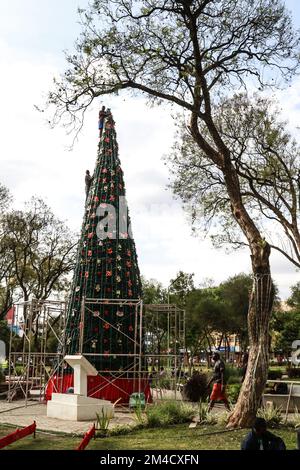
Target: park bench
{"type": "Point", "coordinates": [289, 402]}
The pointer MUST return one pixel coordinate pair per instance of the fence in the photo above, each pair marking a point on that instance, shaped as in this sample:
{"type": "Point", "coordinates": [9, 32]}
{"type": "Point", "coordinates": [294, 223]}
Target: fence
{"type": "Point", "coordinates": [88, 436]}
{"type": "Point", "coordinates": [17, 435]}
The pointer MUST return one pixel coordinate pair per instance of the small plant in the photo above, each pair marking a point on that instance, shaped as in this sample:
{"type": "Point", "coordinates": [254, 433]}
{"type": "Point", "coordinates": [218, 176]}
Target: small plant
{"type": "Point", "coordinates": [271, 414]}
{"type": "Point", "coordinates": [203, 413]}
{"type": "Point", "coordinates": [295, 421]}
{"type": "Point", "coordinates": [196, 388]}
{"type": "Point", "coordinates": [103, 421]}
{"type": "Point", "coordinates": [139, 410]}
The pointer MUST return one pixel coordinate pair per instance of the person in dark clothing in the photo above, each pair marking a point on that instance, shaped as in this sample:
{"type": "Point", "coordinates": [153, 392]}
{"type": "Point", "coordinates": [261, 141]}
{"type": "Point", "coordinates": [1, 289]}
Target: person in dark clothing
{"type": "Point", "coordinates": [261, 439]}
{"type": "Point", "coordinates": [88, 182]}
{"type": "Point", "coordinates": [102, 115]}
{"type": "Point", "coordinates": [218, 391]}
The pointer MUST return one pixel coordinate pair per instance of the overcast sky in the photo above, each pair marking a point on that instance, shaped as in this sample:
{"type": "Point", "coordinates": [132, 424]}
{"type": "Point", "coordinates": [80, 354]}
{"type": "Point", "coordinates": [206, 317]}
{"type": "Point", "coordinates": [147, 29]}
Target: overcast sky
{"type": "Point", "coordinates": [34, 160]}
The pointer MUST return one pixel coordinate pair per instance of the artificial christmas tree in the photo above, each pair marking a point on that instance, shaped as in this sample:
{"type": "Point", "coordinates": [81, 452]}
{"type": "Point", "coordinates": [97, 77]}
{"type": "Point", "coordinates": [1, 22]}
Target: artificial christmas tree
{"type": "Point", "coordinates": [103, 318]}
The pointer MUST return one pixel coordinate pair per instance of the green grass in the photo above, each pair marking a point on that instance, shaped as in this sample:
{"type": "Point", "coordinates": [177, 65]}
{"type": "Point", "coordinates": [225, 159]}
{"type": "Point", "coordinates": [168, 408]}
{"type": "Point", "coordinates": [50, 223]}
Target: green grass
{"type": "Point", "coordinates": [178, 437]}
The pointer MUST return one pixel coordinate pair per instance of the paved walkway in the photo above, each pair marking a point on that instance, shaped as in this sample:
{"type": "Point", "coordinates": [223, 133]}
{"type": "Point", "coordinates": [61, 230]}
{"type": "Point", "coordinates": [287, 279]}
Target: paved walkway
{"type": "Point", "coordinates": [17, 414]}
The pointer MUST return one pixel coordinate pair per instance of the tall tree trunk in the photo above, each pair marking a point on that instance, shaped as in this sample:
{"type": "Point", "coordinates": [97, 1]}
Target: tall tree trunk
{"type": "Point", "coordinates": [261, 299]}
{"type": "Point", "coordinates": [260, 308]}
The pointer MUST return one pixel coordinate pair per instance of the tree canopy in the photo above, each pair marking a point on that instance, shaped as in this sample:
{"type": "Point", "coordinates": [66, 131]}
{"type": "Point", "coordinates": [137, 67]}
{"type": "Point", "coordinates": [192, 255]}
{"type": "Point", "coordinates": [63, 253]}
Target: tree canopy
{"type": "Point", "coordinates": [266, 158]}
{"type": "Point", "coordinates": [37, 254]}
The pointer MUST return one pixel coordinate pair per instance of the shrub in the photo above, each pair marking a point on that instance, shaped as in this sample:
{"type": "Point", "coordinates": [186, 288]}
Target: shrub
{"type": "Point", "coordinates": [233, 392]}
{"type": "Point", "coordinates": [168, 413]}
{"type": "Point", "coordinates": [293, 372]}
{"type": "Point", "coordinates": [2, 376]}
{"type": "Point", "coordinates": [196, 388]}
{"type": "Point", "coordinates": [233, 375]}
{"type": "Point", "coordinates": [275, 374]}
{"type": "Point", "coordinates": [271, 414]}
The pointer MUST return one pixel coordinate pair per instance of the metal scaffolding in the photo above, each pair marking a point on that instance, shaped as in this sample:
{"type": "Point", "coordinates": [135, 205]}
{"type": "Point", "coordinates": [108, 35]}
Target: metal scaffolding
{"type": "Point", "coordinates": [158, 340]}
{"type": "Point", "coordinates": [165, 349]}
{"type": "Point", "coordinates": [31, 363]}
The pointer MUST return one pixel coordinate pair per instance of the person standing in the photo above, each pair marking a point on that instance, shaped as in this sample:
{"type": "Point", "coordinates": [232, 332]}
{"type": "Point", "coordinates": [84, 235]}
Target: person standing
{"type": "Point", "coordinates": [218, 392]}
{"type": "Point", "coordinates": [88, 182]}
{"type": "Point", "coordinates": [102, 115]}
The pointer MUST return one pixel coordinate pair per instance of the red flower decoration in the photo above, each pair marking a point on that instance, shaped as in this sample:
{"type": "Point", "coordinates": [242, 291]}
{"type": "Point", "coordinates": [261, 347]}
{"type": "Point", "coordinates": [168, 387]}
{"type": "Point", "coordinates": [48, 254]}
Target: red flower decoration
{"type": "Point", "coordinates": [106, 139]}
{"type": "Point", "coordinates": [128, 264]}
{"type": "Point", "coordinates": [109, 251]}
{"type": "Point", "coordinates": [130, 328]}
{"type": "Point", "coordinates": [86, 275]}
{"type": "Point", "coordinates": [90, 235]}
{"type": "Point", "coordinates": [129, 283]}
{"type": "Point", "coordinates": [127, 273]}
{"type": "Point", "coordinates": [106, 326]}
{"type": "Point", "coordinates": [104, 170]}
{"type": "Point", "coordinates": [90, 253]}
{"type": "Point", "coordinates": [130, 293]}
{"type": "Point", "coordinates": [112, 198]}
{"type": "Point", "coordinates": [108, 273]}
{"type": "Point", "coordinates": [128, 253]}
{"type": "Point", "coordinates": [96, 199]}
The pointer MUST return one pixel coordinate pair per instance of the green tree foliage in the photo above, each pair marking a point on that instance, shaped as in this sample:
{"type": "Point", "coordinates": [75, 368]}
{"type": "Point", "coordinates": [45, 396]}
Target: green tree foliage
{"type": "Point", "coordinates": [153, 292]}
{"type": "Point", "coordinates": [267, 160]}
{"type": "Point", "coordinates": [294, 299]}
{"type": "Point", "coordinates": [180, 287]}
{"type": "Point", "coordinates": [286, 326]}
{"type": "Point", "coordinates": [221, 309]}
{"type": "Point", "coordinates": [37, 254]}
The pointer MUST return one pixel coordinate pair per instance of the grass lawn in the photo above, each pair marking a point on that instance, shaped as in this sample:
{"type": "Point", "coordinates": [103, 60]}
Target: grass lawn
{"type": "Point", "coordinates": [178, 437]}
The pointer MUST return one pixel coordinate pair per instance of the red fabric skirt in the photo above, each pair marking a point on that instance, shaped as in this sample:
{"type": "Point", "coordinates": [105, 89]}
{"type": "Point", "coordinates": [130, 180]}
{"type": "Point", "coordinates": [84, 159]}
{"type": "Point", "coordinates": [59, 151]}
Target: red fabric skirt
{"type": "Point", "coordinates": [107, 388]}
{"type": "Point", "coordinates": [217, 394]}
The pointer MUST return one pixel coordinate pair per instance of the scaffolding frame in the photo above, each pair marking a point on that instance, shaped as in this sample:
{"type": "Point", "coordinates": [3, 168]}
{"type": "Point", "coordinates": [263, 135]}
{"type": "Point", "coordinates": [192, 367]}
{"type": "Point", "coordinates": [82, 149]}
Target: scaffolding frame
{"type": "Point", "coordinates": [135, 372]}
{"type": "Point", "coordinates": [31, 368]}
{"type": "Point", "coordinates": [167, 320]}
{"type": "Point", "coordinates": [30, 371]}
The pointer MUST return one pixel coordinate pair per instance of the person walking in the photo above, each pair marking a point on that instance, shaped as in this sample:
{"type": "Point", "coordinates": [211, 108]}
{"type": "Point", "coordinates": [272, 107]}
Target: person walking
{"type": "Point", "coordinates": [218, 392]}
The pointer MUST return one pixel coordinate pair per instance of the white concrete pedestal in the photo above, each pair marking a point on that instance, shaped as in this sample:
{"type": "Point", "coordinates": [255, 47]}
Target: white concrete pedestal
{"type": "Point", "coordinates": [70, 407]}
{"type": "Point", "coordinates": [78, 406]}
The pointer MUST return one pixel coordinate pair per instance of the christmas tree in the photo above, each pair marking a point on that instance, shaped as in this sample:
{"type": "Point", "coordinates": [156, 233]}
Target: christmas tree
{"type": "Point", "coordinates": [106, 268]}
